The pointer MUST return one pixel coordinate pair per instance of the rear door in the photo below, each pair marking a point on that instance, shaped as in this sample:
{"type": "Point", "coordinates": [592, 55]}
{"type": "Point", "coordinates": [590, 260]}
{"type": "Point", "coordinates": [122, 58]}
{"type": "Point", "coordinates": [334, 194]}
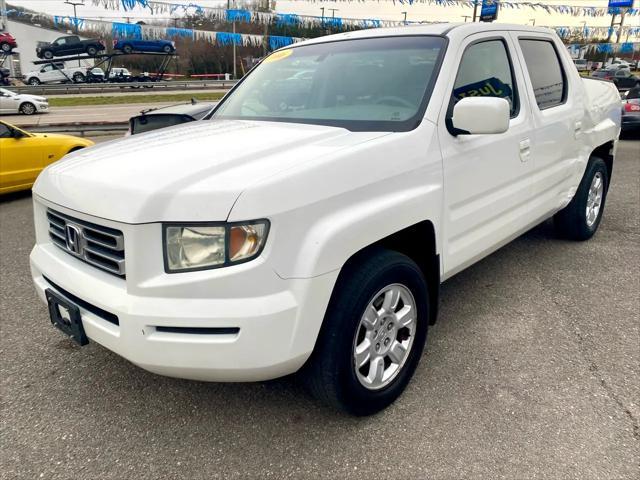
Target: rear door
{"type": "Point", "coordinates": [487, 184]}
{"type": "Point", "coordinates": [557, 105]}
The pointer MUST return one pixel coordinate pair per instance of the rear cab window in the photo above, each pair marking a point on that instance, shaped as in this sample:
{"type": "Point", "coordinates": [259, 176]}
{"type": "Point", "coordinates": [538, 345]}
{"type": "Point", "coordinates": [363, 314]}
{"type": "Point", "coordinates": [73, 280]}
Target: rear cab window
{"type": "Point", "coordinates": [545, 71]}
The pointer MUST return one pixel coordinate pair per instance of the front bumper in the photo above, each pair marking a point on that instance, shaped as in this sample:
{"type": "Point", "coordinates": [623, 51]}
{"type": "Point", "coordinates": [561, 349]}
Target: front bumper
{"type": "Point", "coordinates": [240, 323]}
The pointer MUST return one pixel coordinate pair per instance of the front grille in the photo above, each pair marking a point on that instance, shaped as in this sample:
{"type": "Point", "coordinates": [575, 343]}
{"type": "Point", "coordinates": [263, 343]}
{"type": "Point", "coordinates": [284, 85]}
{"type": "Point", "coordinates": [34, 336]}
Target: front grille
{"type": "Point", "coordinates": [102, 247]}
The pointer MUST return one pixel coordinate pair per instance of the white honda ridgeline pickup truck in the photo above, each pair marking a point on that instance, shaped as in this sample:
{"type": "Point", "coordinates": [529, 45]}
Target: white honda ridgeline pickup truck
{"type": "Point", "coordinates": [307, 222]}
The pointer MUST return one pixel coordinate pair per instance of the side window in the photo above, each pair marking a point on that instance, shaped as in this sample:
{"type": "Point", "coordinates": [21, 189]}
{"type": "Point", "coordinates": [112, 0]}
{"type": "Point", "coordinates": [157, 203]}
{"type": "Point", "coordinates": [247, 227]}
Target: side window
{"type": "Point", "coordinates": [485, 70]}
{"type": "Point", "coordinates": [547, 77]}
{"type": "Point", "coordinates": [4, 131]}
{"type": "Point", "coordinates": [61, 41]}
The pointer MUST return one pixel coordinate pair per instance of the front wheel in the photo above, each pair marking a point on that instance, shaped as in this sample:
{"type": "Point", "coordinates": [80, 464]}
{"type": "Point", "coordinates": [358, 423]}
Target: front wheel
{"type": "Point", "coordinates": [5, 47]}
{"type": "Point", "coordinates": [373, 334]}
{"type": "Point", "coordinates": [580, 219]}
{"type": "Point", "coordinates": [127, 49]}
{"type": "Point", "coordinates": [78, 77]}
{"type": "Point", "coordinates": [167, 49]}
{"type": "Point", "coordinates": [92, 51]}
{"type": "Point", "coordinates": [48, 54]}
{"type": "Point", "coordinates": [28, 108]}
{"type": "Point", "coordinates": [34, 81]}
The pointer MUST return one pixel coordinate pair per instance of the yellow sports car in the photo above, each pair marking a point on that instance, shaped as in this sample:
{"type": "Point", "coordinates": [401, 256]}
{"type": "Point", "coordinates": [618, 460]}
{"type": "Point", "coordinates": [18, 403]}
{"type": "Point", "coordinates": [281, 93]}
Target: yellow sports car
{"type": "Point", "coordinates": [24, 155]}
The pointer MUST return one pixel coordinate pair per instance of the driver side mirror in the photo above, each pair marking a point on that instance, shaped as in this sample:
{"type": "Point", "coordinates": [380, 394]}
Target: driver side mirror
{"type": "Point", "coordinates": [480, 115]}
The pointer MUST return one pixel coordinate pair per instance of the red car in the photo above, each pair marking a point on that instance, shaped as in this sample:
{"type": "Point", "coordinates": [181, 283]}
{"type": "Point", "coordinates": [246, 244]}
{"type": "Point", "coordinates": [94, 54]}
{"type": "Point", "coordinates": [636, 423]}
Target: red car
{"type": "Point", "coordinates": [7, 42]}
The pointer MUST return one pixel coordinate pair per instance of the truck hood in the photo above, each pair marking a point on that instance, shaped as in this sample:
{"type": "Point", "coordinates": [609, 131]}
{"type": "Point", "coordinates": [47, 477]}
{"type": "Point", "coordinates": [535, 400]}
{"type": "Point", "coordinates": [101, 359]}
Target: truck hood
{"type": "Point", "coordinates": [191, 172]}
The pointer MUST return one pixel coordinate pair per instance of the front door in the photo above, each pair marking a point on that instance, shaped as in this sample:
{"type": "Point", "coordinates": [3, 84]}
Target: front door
{"type": "Point", "coordinates": [487, 185]}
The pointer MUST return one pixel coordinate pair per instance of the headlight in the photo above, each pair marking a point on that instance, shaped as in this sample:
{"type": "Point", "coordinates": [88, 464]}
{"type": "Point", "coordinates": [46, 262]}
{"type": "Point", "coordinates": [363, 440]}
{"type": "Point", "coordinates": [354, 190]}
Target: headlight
{"type": "Point", "coordinates": [202, 246]}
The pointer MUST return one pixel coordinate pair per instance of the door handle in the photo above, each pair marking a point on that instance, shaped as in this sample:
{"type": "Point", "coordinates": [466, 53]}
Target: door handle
{"type": "Point", "coordinates": [525, 149]}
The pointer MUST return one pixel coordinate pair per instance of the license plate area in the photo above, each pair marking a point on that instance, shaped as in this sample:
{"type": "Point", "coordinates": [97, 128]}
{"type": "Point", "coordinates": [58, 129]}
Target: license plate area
{"type": "Point", "coordinates": [65, 316]}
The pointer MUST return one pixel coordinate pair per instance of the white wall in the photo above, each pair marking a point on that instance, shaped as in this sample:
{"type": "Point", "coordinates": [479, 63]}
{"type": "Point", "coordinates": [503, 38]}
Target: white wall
{"type": "Point", "coordinates": [28, 37]}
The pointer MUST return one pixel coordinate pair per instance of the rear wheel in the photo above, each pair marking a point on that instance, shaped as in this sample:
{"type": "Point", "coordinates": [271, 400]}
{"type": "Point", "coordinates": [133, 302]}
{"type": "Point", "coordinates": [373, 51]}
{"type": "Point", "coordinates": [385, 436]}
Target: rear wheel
{"type": "Point", "coordinates": [127, 49]}
{"type": "Point", "coordinates": [91, 50]}
{"type": "Point", "coordinates": [28, 108]}
{"type": "Point", "coordinates": [78, 77]}
{"type": "Point", "coordinates": [372, 336]}
{"type": "Point", "coordinates": [580, 219]}
{"type": "Point", "coordinates": [5, 47]}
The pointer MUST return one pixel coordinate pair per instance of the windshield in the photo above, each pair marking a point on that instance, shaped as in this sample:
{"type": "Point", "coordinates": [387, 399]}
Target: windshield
{"type": "Point", "coordinates": [7, 92]}
{"type": "Point", "coordinates": [377, 84]}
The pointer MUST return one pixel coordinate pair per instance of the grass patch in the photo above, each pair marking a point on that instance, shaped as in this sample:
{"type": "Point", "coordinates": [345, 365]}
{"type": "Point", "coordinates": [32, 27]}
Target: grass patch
{"type": "Point", "coordinates": [124, 99]}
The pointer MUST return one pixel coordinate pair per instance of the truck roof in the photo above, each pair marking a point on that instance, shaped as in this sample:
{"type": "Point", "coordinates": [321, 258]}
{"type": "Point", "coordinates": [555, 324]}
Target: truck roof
{"type": "Point", "coordinates": [449, 29]}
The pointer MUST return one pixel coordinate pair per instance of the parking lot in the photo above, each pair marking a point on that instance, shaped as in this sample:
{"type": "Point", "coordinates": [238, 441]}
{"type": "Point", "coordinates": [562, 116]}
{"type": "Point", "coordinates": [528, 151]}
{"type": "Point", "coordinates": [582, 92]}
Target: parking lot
{"type": "Point", "coordinates": [531, 371]}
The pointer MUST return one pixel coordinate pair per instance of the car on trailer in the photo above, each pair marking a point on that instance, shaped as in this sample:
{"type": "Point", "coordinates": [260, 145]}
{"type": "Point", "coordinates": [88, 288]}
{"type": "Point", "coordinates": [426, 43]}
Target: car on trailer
{"type": "Point", "coordinates": [70, 45]}
{"type": "Point", "coordinates": [129, 45]}
{"type": "Point", "coordinates": [7, 42]}
{"type": "Point", "coordinates": [56, 72]}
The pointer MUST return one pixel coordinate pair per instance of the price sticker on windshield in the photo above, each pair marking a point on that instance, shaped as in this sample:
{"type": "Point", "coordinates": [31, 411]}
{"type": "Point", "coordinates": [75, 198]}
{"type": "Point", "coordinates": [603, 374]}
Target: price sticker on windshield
{"type": "Point", "coordinates": [277, 56]}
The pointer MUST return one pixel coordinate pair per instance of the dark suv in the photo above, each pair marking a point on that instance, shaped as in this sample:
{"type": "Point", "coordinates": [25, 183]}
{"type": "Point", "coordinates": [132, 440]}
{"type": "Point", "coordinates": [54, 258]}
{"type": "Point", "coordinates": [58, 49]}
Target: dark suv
{"type": "Point", "coordinates": [70, 45]}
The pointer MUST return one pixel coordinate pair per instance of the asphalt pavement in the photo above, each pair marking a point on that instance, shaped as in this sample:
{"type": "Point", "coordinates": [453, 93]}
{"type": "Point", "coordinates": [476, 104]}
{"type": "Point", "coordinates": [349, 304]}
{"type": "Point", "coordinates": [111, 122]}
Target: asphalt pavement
{"type": "Point", "coordinates": [531, 372]}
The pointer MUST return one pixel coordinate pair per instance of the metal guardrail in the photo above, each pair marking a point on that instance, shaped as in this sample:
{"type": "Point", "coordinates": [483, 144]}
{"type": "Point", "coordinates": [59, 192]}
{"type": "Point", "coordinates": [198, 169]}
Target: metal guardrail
{"type": "Point", "coordinates": [80, 129]}
{"type": "Point", "coordinates": [79, 88]}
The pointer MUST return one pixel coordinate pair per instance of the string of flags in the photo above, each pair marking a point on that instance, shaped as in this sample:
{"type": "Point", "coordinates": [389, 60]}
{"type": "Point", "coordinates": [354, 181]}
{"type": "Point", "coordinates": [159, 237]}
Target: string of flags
{"type": "Point", "coordinates": [626, 47]}
{"type": "Point", "coordinates": [242, 15]}
{"type": "Point", "coordinates": [139, 32]}
{"type": "Point", "coordinates": [121, 30]}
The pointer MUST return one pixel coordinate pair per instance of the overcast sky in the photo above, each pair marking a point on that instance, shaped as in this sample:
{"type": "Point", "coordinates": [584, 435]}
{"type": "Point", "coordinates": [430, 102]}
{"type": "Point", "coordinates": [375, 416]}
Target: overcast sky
{"type": "Point", "coordinates": [383, 9]}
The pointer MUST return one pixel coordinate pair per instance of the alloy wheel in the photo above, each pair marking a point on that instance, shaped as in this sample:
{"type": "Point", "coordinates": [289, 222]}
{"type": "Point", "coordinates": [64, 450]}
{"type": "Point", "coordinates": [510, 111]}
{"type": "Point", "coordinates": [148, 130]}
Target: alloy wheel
{"type": "Point", "coordinates": [594, 199]}
{"type": "Point", "coordinates": [384, 336]}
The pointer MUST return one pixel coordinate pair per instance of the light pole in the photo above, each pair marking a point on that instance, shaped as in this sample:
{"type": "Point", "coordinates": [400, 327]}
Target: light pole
{"type": "Point", "coordinates": [475, 9]}
{"type": "Point", "coordinates": [75, 4]}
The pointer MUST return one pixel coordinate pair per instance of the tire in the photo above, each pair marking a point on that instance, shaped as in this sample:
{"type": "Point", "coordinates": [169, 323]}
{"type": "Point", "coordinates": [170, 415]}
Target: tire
{"type": "Point", "coordinates": [28, 108]}
{"type": "Point", "coordinates": [167, 49]}
{"type": "Point", "coordinates": [127, 49]}
{"type": "Point", "coordinates": [331, 372]}
{"type": "Point", "coordinates": [48, 54]}
{"type": "Point", "coordinates": [78, 77]}
{"type": "Point", "coordinates": [5, 47]}
{"type": "Point", "coordinates": [34, 81]}
{"type": "Point", "coordinates": [92, 51]}
{"type": "Point", "coordinates": [580, 219]}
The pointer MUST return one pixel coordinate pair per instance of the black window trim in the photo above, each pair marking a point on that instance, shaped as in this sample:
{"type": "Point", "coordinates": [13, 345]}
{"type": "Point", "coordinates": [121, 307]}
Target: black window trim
{"type": "Point", "coordinates": [565, 80]}
{"type": "Point", "coordinates": [365, 126]}
{"type": "Point", "coordinates": [516, 93]}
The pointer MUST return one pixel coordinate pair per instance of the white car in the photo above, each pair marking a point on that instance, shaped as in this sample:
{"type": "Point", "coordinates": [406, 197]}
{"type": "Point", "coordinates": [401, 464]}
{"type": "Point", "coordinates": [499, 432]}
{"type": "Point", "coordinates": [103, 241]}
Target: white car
{"type": "Point", "coordinates": [294, 229]}
{"type": "Point", "coordinates": [56, 72]}
{"type": "Point", "coordinates": [11, 102]}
